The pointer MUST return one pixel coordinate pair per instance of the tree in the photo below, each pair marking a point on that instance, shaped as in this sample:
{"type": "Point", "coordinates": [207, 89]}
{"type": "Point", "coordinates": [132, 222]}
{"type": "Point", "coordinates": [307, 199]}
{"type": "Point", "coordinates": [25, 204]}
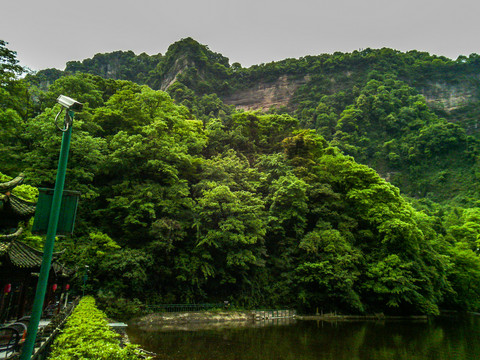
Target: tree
{"type": "Point", "coordinates": [9, 68]}
{"type": "Point", "coordinates": [230, 229]}
{"type": "Point", "coordinates": [329, 272]}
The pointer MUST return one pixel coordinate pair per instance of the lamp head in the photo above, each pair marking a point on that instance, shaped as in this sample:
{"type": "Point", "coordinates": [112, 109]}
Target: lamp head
{"type": "Point", "coordinates": [69, 103]}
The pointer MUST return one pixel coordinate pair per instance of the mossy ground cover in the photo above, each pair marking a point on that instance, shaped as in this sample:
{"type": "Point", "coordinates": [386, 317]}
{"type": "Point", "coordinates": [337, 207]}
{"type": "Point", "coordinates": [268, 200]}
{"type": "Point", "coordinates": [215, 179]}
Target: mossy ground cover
{"type": "Point", "coordinates": [87, 336]}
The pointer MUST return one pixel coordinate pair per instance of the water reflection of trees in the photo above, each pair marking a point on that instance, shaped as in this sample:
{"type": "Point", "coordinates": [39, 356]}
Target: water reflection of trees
{"type": "Point", "coordinates": [438, 339]}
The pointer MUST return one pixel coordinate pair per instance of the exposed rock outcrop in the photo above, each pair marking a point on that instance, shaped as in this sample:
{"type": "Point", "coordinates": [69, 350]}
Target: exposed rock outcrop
{"type": "Point", "coordinates": [264, 96]}
{"type": "Point", "coordinates": [448, 97]}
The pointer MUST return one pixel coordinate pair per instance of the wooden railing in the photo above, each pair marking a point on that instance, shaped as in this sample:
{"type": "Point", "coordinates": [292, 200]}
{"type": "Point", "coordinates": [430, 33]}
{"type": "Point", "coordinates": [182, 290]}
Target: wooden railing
{"type": "Point", "coordinates": [183, 307]}
{"type": "Point", "coordinates": [47, 334]}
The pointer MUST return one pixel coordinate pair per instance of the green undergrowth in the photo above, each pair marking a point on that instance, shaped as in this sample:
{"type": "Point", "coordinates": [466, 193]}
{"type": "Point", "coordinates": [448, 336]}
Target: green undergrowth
{"type": "Point", "coordinates": [87, 336]}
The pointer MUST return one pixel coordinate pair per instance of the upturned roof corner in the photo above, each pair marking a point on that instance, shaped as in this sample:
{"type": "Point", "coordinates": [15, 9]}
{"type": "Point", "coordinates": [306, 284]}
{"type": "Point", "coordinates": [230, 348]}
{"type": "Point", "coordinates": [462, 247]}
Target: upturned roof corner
{"type": "Point", "coordinates": [10, 185]}
{"type": "Point", "coordinates": [13, 209]}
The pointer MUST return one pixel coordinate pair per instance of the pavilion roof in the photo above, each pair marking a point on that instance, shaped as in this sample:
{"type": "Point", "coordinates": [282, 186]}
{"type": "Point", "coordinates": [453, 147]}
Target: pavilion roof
{"type": "Point", "coordinates": [12, 208]}
{"type": "Point", "coordinates": [23, 256]}
{"type": "Point", "coordinates": [22, 208]}
{"type": "Point", "coordinates": [9, 185]}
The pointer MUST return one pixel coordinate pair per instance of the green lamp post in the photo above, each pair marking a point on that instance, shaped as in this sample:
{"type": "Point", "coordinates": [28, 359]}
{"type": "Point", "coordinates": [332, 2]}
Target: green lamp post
{"type": "Point", "coordinates": [69, 105]}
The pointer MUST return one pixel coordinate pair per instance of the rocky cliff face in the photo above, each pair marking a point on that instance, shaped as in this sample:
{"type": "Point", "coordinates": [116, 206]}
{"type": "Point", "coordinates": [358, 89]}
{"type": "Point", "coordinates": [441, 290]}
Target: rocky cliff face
{"type": "Point", "coordinates": [180, 65]}
{"type": "Point", "coordinates": [449, 100]}
{"type": "Point", "coordinates": [264, 96]}
{"type": "Point", "coordinates": [455, 101]}
{"type": "Point", "coordinates": [452, 91]}
{"type": "Point", "coordinates": [449, 97]}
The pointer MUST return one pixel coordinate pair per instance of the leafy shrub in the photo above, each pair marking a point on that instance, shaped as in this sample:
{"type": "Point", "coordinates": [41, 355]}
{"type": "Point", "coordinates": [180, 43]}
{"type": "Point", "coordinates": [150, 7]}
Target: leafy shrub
{"type": "Point", "coordinates": [87, 336]}
{"type": "Point", "coordinates": [119, 308]}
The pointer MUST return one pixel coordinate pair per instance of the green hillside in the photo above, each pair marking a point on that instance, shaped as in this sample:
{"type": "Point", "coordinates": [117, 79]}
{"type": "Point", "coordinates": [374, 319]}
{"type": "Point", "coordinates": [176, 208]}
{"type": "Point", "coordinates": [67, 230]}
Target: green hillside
{"type": "Point", "coordinates": [187, 199]}
{"type": "Point", "coordinates": [411, 116]}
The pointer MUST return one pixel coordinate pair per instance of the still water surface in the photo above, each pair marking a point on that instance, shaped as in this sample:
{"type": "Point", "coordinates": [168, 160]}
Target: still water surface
{"type": "Point", "coordinates": [442, 338]}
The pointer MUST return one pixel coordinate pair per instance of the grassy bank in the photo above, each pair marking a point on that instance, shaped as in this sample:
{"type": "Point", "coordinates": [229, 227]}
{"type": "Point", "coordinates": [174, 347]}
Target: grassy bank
{"type": "Point", "coordinates": [87, 336]}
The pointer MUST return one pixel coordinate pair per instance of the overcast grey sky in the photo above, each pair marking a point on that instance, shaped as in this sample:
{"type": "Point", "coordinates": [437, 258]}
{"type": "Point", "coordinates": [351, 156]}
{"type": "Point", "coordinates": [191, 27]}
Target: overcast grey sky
{"type": "Point", "coordinates": [48, 33]}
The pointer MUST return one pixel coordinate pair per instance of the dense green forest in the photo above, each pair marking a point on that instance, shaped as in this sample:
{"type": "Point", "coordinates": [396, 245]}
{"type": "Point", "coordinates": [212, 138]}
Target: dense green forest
{"type": "Point", "coordinates": [358, 195]}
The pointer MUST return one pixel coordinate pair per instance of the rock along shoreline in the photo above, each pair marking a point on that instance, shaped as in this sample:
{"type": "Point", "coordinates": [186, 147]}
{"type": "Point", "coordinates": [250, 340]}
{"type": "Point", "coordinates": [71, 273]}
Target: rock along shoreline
{"type": "Point", "coordinates": [155, 320]}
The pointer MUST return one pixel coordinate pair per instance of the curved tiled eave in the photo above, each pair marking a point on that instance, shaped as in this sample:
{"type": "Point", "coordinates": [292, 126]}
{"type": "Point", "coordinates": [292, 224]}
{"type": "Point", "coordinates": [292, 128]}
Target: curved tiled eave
{"type": "Point", "coordinates": [22, 207]}
{"type": "Point", "coordinates": [9, 185]}
{"type": "Point", "coordinates": [23, 256]}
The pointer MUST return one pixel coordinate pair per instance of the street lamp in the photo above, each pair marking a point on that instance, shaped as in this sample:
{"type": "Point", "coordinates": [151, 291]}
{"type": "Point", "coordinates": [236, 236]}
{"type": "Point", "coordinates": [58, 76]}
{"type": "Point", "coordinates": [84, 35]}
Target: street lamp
{"type": "Point", "coordinates": [69, 105]}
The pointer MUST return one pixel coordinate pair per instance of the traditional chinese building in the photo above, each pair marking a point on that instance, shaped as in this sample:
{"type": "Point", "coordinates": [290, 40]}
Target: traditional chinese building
{"type": "Point", "coordinates": [13, 210]}
{"type": "Point", "coordinates": [20, 263]}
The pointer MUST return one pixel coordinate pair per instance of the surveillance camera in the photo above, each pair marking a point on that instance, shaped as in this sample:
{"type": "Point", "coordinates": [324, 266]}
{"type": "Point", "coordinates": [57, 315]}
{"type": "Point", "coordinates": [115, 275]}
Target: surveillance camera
{"type": "Point", "coordinates": [70, 103]}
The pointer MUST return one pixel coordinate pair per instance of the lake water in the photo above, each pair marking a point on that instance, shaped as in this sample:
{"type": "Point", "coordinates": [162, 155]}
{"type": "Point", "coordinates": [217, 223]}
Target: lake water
{"type": "Point", "coordinates": [449, 338]}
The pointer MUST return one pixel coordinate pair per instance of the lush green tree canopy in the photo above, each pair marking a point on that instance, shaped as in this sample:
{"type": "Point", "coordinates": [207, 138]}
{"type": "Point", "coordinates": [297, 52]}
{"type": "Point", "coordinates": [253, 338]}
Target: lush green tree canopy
{"type": "Point", "coordinates": [185, 199]}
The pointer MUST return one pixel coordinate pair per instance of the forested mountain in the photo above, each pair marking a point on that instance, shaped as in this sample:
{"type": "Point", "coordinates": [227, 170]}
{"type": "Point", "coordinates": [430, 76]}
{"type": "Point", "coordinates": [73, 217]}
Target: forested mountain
{"type": "Point", "coordinates": [188, 199]}
{"type": "Point", "coordinates": [449, 86]}
{"type": "Point", "coordinates": [411, 116]}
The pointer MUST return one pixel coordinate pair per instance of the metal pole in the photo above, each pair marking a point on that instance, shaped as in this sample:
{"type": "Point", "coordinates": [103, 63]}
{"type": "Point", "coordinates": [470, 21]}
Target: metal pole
{"type": "Point", "coordinates": [29, 345]}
